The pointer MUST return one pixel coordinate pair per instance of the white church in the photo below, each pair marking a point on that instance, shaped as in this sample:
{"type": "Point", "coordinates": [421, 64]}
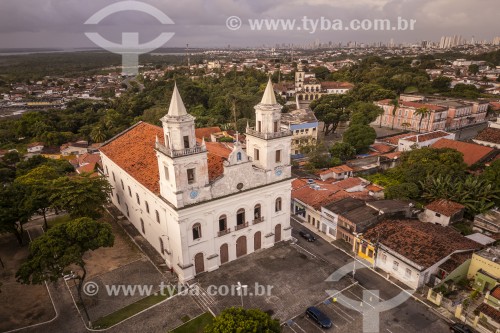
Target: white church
{"type": "Point", "coordinates": [199, 203]}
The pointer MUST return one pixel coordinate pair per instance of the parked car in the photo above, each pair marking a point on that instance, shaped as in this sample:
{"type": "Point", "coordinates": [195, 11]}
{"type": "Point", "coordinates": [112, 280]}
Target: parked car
{"type": "Point", "coordinates": [319, 317]}
{"type": "Point", "coordinates": [307, 236]}
{"type": "Point", "coordinates": [460, 328]}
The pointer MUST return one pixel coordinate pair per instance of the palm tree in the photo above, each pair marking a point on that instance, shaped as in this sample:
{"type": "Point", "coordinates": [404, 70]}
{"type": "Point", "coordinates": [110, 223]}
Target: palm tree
{"type": "Point", "coordinates": [405, 126]}
{"type": "Point", "coordinates": [98, 134]}
{"type": "Point", "coordinates": [395, 103]}
{"type": "Point", "coordinates": [422, 112]}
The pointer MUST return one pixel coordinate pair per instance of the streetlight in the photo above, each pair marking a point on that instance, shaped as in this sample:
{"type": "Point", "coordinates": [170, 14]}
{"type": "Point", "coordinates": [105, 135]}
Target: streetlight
{"type": "Point", "coordinates": [240, 289]}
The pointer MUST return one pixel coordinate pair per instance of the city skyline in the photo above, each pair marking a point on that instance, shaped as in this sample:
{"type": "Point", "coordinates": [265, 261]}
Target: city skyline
{"type": "Point", "coordinates": [60, 24]}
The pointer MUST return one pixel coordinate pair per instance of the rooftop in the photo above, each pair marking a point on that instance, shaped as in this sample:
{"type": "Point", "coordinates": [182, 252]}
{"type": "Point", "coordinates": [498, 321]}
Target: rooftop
{"type": "Point", "coordinates": [344, 205]}
{"type": "Point", "coordinates": [299, 116]}
{"type": "Point", "coordinates": [489, 134]}
{"type": "Point", "coordinates": [489, 311]}
{"type": "Point", "coordinates": [428, 244]}
{"type": "Point", "coordinates": [394, 140]}
{"type": "Point", "coordinates": [472, 152]}
{"type": "Point", "coordinates": [426, 136]}
{"type": "Point", "coordinates": [206, 132]}
{"type": "Point", "coordinates": [445, 207]}
{"type": "Point", "coordinates": [337, 169]}
{"type": "Point", "coordinates": [491, 253]}
{"type": "Point", "coordinates": [388, 206]}
{"type": "Point", "coordinates": [455, 261]}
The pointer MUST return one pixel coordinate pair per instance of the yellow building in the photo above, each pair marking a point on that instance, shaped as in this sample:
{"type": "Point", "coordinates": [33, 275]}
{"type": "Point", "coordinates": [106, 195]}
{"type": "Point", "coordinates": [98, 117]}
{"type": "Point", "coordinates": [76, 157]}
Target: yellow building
{"type": "Point", "coordinates": [364, 249]}
{"type": "Point", "coordinates": [485, 269]}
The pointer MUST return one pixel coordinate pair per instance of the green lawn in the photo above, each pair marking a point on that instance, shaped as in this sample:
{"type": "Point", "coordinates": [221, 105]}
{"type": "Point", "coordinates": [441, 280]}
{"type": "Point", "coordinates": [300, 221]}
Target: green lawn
{"type": "Point", "coordinates": [196, 325]}
{"type": "Point", "coordinates": [129, 310]}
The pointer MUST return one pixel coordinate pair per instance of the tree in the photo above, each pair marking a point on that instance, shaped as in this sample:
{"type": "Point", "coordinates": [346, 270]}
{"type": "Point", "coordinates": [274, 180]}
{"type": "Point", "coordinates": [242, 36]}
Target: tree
{"type": "Point", "coordinates": [319, 158]}
{"type": "Point", "coordinates": [343, 151]}
{"type": "Point", "coordinates": [62, 246]}
{"type": "Point", "coordinates": [38, 184]}
{"type": "Point", "coordinates": [395, 104]}
{"type": "Point", "coordinates": [363, 113]}
{"type": "Point", "coordinates": [239, 320]}
{"type": "Point", "coordinates": [332, 109]}
{"type": "Point", "coordinates": [321, 72]}
{"type": "Point", "coordinates": [13, 212]}
{"type": "Point", "coordinates": [422, 112]}
{"type": "Point", "coordinates": [441, 84]}
{"type": "Point", "coordinates": [81, 196]}
{"type": "Point", "coordinates": [473, 69]}
{"type": "Point", "coordinates": [402, 191]}
{"type": "Point", "coordinates": [360, 137]}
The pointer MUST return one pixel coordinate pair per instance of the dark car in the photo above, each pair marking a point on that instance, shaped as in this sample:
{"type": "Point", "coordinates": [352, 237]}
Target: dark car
{"type": "Point", "coordinates": [319, 317]}
{"type": "Point", "coordinates": [307, 236]}
{"type": "Point", "coordinates": [460, 328]}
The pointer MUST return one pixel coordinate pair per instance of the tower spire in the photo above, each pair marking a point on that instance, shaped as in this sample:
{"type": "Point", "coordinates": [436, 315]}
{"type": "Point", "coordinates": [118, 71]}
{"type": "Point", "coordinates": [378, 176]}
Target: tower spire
{"type": "Point", "coordinates": [269, 98]}
{"type": "Point", "coordinates": [177, 107]}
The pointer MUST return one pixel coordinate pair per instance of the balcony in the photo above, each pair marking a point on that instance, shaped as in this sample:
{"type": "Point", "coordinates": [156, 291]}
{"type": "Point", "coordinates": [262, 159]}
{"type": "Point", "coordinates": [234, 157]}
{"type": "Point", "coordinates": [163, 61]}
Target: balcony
{"type": "Point", "coordinates": [266, 136]}
{"type": "Point", "coordinates": [180, 152]}
{"type": "Point", "coordinates": [258, 220]}
{"type": "Point", "coordinates": [223, 232]}
{"type": "Point", "coordinates": [241, 226]}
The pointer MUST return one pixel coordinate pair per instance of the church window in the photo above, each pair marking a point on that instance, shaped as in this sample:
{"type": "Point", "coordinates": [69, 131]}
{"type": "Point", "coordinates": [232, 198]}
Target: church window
{"type": "Point", "coordinates": [123, 186]}
{"type": "Point", "coordinates": [277, 205]}
{"type": "Point", "coordinates": [191, 176]}
{"type": "Point", "coordinates": [257, 212]}
{"type": "Point", "coordinates": [167, 175]}
{"type": "Point", "coordinates": [157, 216]}
{"type": "Point", "coordinates": [142, 227]}
{"type": "Point", "coordinates": [118, 198]}
{"type": "Point", "coordinates": [126, 208]}
{"type": "Point", "coordinates": [137, 198]}
{"type": "Point", "coordinates": [197, 231]}
{"type": "Point", "coordinates": [256, 154]}
{"type": "Point", "coordinates": [259, 126]}
{"type": "Point", "coordinates": [278, 155]}
{"type": "Point", "coordinates": [275, 126]}
{"type": "Point", "coordinates": [222, 223]}
{"type": "Point", "coordinates": [162, 247]}
{"type": "Point", "coordinates": [238, 156]}
{"type": "Point", "coordinates": [147, 207]}
{"type": "Point", "coordinates": [107, 171]}
{"type": "Point", "coordinates": [129, 191]}
{"type": "Point", "coordinates": [240, 216]}
{"type": "Point", "coordinates": [114, 178]}
{"type": "Point", "coordinates": [186, 142]}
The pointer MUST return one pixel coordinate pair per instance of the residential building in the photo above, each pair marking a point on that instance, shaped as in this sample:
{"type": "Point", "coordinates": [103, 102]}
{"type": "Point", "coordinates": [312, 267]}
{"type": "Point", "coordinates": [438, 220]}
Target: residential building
{"type": "Point", "coordinates": [409, 250]}
{"type": "Point", "coordinates": [74, 148]}
{"type": "Point", "coordinates": [488, 223]}
{"type": "Point", "coordinates": [330, 213]}
{"type": "Point", "coordinates": [489, 136]}
{"type": "Point", "coordinates": [340, 172]}
{"type": "Point", "coordinates": [443, 212]}
{"type": "Point", "coordinates": [356, 222]}
{"type": "Point", "coordinates": [489, 310]}
{"type": "Point", "coordinates": [304, 126]}
{"type": "Point", "coordinates": [35, 147]}
{"type": "Point", "coordinates": [422, 140]}
{"type": "Point", "coordinates": [200, 204]}
{"type": "Point", "coordinates": [485, 269]}
{"type": "Point", "coordinates": [472, 152]}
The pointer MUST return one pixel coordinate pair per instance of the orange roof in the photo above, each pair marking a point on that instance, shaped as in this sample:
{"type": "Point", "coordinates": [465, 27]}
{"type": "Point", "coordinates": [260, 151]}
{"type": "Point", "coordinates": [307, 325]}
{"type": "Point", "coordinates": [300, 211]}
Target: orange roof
{"type": "Point", "coordinates": [496, 292]}
{"type": "Point", "coordinates": [374, 188]}
{"type": "Point", "coordinates": [489, 134]}
{"type": "Point", "coordinates": [87, 168]}
{"type": "Point", "coordinates": [325, 194]}
{"type": "Point", "coordinates": [337, 169]}
{"type": "Point", "coordinates": [382, 148]}
{"type": "Point", "coordinates": [393, 155]}
{"type": "Point", "coordinates": [473, 153]}
{"type": "Point", "coordinates": [427, 136]}
{"type": "Point", "coordinates": [349, 183]}
{"type": "Point", "coordinates": [414, 105]}
{"type": "Point", "coordinates": [394, 140]}
{"type": "Point", "coordinates": [206, 132]}
{"type": "Point", "coordinates": [134, 151]}
{"type": "Point", "coordinates": [445, 207]}
{"type": "Point", "coordinates": [217, 153]}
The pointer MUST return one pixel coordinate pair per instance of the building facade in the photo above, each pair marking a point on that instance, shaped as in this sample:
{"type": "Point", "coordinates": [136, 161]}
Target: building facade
{"type": "Point", "coordinates": [201, 204]}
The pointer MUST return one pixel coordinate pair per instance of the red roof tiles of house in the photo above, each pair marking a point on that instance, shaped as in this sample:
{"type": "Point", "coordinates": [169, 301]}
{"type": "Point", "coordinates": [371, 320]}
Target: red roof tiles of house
{"type": "Point", "coordinates": [394, 140]}
{"type": "Point", "coordinates": [427, 136]}
{"type": "Point", "coordinates": [490, 311]}
{"type": "Point", "coordinates": [336, 85]}
{"type": "Point", "coordinates": [423, 243]}
{"type": "Point", "coordinates": [473, 153]}
{"type": "Point", "coordinates": [206, 132]}
{"type": "Point", "coordinates": [445, 207]}
{"type": "Point", "coordinates": [316, 194]}
{"type": "Point", "coordinates": [337, 169]}
{"type": "Point", "coordinates": [489, 134]}
{"type": "Point", "coordinates": [349, 183]}
{"type": "Point", "coordinates": [382, 148]}
{"type": "Point", "coordinates": [496, 292]}
{"type": "Point", "coordinates": [414, 105]}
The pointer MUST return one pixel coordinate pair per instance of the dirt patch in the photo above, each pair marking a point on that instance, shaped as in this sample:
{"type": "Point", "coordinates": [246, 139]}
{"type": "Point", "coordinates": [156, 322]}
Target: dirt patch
{"type": "Point", "coordinates": [22, 305]}
{"type": "Point", "coordinates": [104, 260]}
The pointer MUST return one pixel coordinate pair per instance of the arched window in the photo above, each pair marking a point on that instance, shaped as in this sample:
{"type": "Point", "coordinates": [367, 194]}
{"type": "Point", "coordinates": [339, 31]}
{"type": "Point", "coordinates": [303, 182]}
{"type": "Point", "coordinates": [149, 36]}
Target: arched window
{"type": "Point", "coordinates": [196, 231]}
{"type": "Point", "coordinates": [118, 198]}
{"type": "Point", "coordinates": [123, 186]}
{"type": "Point", "coordinates": [277, 205]}
{"type": "Point", "coordinates": [142, 227]}
{"type": "Point", "coordinates": [257, 212]}
{"type": "Point", "coordinates": [129, 191]}
{"type": "Point", "coordinates": [240, 216]}
{"type": "Point", "coordinates": [222, 223]}
{"type": "Point", "coordinates": [137, 198]}
{"type": "Point", "coordinates": [157, 216]}
{"type": "Point", "coordinates": [126, 207]}
{"type": "Point", "coordinates": [147, 207]}
{"type": "Point", "coordinates": [107, 172]}
{"type": "Point", "coordinates": [238, 156]}
{"type": "Point", "coordinates": [114, 178]}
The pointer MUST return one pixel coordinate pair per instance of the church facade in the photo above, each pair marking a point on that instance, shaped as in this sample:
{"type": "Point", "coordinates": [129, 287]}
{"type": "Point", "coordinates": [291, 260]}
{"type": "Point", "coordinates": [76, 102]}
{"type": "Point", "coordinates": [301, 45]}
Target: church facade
{"type": "Point", "coordinates": [202, 204]}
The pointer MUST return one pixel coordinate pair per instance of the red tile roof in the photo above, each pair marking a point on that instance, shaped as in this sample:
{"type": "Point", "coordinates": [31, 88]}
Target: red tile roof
{"type": "Point", "coordinates": [382, 148]}
{"type": "Point", "coordinates": [472, 152]}
{"type": "Point", "coordinates": [489, 134]}
{"type": "Point", "coordinates": [349, 183]}
{"type": "Point", "coordinates": [394, 140]}
{"type": "Point", "coordinates": [489, 311]}
{"type": "Point", "coordinates": [206, 132]}
{"type": "Point", "coordinates": [134, 151]}
{"type": "Point", "coordinates": [427, 136]}
{"type": "Point", "coordinates": [316, 198]}
{"type": "Point", "coordinates": [337, 169]}
{"type": "Point", "coordinates": [414, 105]}
{"type": "Point", "coordinates": [445, 207]}
{"type": "Point", "coordinates": [336, 85]}
{"type": "Point", "coordinates": [496, 292]}
{"type": "Point", "coordinates": [217, 153]}
{"type": "Point", "coordinates": [423, 243]}
{"type": "Point", "coordinates": [393, 155]}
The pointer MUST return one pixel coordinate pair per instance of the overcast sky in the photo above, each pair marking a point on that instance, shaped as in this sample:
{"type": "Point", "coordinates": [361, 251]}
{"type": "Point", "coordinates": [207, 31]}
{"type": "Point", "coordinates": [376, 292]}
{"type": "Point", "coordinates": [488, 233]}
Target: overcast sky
{"type": "Point", "coordinates": [202, 23]}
